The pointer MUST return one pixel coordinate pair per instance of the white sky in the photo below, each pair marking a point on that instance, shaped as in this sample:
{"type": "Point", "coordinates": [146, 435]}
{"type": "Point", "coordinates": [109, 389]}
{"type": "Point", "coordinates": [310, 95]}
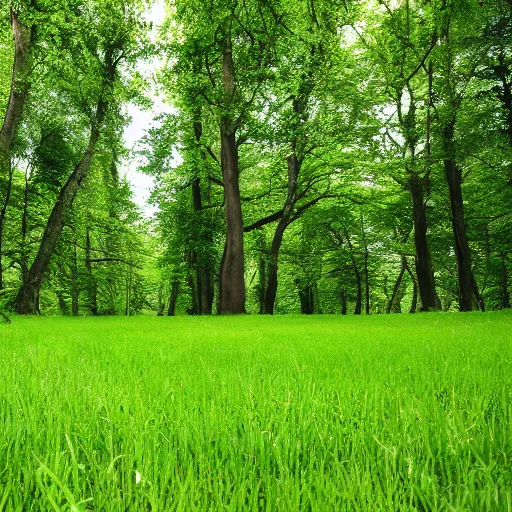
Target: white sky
{"type": "Point", "coordinates": [142, 120]}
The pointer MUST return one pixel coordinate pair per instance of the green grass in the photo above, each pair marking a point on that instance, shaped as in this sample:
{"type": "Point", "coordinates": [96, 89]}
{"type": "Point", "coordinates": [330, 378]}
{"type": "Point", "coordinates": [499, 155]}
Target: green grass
{"type": "Point", "coordinates": [287, 413]}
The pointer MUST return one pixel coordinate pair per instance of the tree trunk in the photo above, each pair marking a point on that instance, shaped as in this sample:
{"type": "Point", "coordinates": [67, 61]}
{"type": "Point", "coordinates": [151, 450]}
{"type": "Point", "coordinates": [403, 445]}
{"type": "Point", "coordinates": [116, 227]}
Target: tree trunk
{"type": "Point", "coordinates": [343, 297]}
{"type": "Point", "coordinates": [194, 289]}
{"type": "Point", "coordinates": [505, 293]}
{"type": "Point", "coordinates": [128, 304]}
{"type": "Point", "coordinates": [75, 292]}
{"type": "Point", "coordinates": [63, 306]}
{"type": "Point", "coordinates": [414, 302]}
{"type": "Point", "coordinates": [503, 73]}
{"type": "Point", "coordinates": [27, 301]}
{"type": "Point", "coordinates": [392, 306]}
{"type": "Point", "coordinates": [263, 283]}
{"type": "Point", "coordinates": [307, 299]}
{"type": "Point", "coordinates": [202, 265]}
{"type": "Point", "coordinates": [23, 38]}
{"type": "Point", "coordinates": [468, 292]}
{"type": "Point", "coordinates": [24, 252]}
{"type": "Point", "coordinates": [92, 292]}
{"type": "Point", "coordinates": [3, 213]}
{"type": "Point", "coordinates": [294, 167]}
{"type": "Point", "coordinates": [173, 299]}
{"type": "Point", "coordinates": [424, 271]}
{"type": "Point", "coordinates": [359, 299]}
{"type": "Point", "coordinates": [366, 271]}
{"type": "Point", "coordinates": [232, 283]}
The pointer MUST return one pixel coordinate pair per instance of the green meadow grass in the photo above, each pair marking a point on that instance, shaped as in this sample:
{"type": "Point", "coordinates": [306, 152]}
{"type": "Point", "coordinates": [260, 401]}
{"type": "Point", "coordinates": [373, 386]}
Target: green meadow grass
{"type": "Point", "coordinates": [384, 413]}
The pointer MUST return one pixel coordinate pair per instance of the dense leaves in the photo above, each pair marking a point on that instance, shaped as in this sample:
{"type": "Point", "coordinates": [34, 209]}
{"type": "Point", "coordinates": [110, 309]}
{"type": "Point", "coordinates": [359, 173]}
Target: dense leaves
{"type": "Point", "coordinates": [315, 156]}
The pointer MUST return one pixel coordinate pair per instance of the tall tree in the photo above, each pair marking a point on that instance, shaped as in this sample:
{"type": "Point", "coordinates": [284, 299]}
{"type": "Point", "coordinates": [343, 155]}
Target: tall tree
{"type": "Point", "coordinates": [114, 40]}
{"type": "Point", "coordinates": [23, 37]}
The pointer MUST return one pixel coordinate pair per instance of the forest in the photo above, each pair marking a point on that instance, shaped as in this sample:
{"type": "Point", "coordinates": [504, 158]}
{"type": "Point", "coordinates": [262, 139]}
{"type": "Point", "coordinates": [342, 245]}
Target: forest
{"type": "Point", "coordinates": [313, 156]}
{"type": "Point", "coordinates": [212, 215]}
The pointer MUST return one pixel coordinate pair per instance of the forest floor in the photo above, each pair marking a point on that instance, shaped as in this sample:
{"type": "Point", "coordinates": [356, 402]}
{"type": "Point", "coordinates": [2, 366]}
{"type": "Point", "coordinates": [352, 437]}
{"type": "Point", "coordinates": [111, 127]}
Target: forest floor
{"type": "Point", "coordinates": [400, 412]}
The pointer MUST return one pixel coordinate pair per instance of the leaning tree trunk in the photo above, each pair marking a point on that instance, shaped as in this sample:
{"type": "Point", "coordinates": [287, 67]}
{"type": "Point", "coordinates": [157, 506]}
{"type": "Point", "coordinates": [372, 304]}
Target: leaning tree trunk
{"type": "Point", "coordinates": [424, 270]}
{"type": "Point", "coordinates": [271, 292]}
{"type": "Point", "coordinates": [27, 301]}
{"type": "Point", "coordinates": [232, 283]}
{"type": "Point", "coordinates": [23, 38]}
{"type": "Point", "coordinates": [469, 296]}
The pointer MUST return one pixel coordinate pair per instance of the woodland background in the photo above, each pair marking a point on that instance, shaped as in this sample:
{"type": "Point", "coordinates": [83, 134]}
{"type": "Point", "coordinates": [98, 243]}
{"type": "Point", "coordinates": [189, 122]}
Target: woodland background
{"type": "Point", "coordinates": [317, 156]}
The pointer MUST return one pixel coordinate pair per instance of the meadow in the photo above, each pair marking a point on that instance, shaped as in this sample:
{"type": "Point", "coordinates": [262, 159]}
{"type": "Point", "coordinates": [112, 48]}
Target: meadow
{"type": "Point", "coordinates": [383, 413]}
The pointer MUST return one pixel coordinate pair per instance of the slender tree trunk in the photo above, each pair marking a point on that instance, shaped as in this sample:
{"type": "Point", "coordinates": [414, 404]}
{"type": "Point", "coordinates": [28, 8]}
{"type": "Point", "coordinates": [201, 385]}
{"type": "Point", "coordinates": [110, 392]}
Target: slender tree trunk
{"type": "Point", "coordinates": [505, 292]}
{"type": "Point", "coordinates": [307, 299]}
{"type": "Point", "coordinates": [503, 73]}
{"type": "Point", "coordinates": [468, 292]}
{"type": "Point", "coordinates": [366, 270]}
{"type": "Point", "coordinates": [294, 168]}
{"type": "Point", "coordinates": [92, 291]}
{"type": "Point", "coordinates": [194, 288]}
{"type": "Point", "coordinates": [75, 292]}
{"type": "Point", "coordinates": [343, 297]}
{"type": "Point", "coordinates": [271, 291]}
{"type": "Point", "coordinates": [24, 252]}
{"type": "Point", "coordinates": [128, 306]}
{"type": "Point", "coordinates": [392, 301]}
{"type": "Point", "coordinates": [27, 301]}
{"type": "Point", "coordinates": [206, 290]}
{"type": "Point", "coordinates": [3, 213]}
{"type": "Point", "coordinates": [263, 282]}
{"type": "Point", "coordinates": [23, 38]}
{"type": "Point", "coordinates": [232, 283]}
{"type": "Point", "coordinates": [202, 266]}
{"type": "Point", "coordinates": [414, 302]}
{"type": "Point", "coordinates": [63, 306]}
{"type": "Point", "coordinates": [424, 271]}
{"type": "Point", "coordinates": [173, 299]}
{"type": "Point", "coordinates": [357, 274]}
{"type": "Point", "coordinates": [272, 282]}
{"type": "Point", "coordinates": [197, 283]}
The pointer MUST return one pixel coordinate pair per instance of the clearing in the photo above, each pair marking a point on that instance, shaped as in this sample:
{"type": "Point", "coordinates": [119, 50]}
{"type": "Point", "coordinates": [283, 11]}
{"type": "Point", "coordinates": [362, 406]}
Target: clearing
{"type": "Point", "coordinates": [402, 412]}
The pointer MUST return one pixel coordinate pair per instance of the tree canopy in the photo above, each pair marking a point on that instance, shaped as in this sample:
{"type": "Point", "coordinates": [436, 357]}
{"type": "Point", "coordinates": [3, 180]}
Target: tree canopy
{"type": "Point", "coordinates": [316, 156]}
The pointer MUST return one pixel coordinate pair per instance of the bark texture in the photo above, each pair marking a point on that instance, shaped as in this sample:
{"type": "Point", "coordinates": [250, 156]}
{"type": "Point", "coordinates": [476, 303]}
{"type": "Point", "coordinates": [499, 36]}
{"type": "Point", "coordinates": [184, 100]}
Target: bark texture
{"type": "Point", "coordinates": [23, 40]}
{"type": "Point", "coordinates": [424, 270]}
{"type": "Point", "coordinates": [469, 297]}
{"type": "Point", "coordinates": [232, 282]}
{"type": "Point", "coordinates": [277, 240]}
{"type": "Point", "coordinates": [27, 300]}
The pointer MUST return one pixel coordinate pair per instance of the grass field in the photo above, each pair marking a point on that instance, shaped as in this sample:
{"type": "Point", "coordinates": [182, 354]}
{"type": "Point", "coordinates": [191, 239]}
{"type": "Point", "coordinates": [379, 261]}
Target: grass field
{"type": "Point", "coordinates": [287, 413]}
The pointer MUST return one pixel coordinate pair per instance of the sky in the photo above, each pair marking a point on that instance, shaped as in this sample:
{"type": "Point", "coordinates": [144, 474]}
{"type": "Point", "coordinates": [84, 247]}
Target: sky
{"type": "Point", "coordinates": [142, 121]}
